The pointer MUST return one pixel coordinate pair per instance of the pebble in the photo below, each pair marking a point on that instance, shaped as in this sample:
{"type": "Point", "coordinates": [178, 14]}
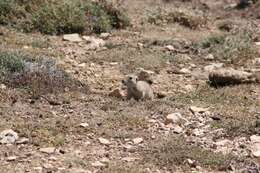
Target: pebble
{"type": "Point", "coordinates": [137, 140]}
{"type": "Point", "coordinates": [48, 150]}
{"type": "Point", "coordinates": [195, 109]}
{"type": "Point", "coordinates": [173, 118]}
{"type": "Point", "coordinates": [72, 37]}
{"type": "Point", "coordinates": [104, 141]}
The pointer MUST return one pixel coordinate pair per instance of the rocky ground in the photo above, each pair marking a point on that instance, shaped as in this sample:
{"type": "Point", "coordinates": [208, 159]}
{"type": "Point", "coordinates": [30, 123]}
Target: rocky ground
{"type": "Point", "coordinates": [192, 125]}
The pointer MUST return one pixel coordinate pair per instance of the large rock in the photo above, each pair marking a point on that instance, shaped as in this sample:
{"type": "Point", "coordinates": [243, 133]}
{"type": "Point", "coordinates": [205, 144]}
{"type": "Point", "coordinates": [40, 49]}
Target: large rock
{"type": "Point", "coordinates": [255, 145]}
{"type": "Point", "coordinates": [72, 37]}
{"type": "Point", "coordinates": [8, 137]}
{"type": "Point", "coordinates": [229, 76]}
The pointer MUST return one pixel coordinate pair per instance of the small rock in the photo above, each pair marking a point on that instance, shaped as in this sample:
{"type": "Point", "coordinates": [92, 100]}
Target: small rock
{"type": "Point", "coordinates": [184, 71]}
{"type": "Point", "coordinates": [137, 140]}
{"type": "Point", "coordinates": [104, 35]}
{"type": "Point", "coordinates": [3, 86]}
{"type": "Point", "coordinates": [255, 139]}
{"type": "Point", "coordinates": [255, 148]}
{"type": "Point", "coordinates": [78, 170]}
{"type": "Point", "coordinates": [23, 141]}
{"type": "Point", "coordinates": [170, 47]}
{"type": "Point", "coordinates": [257, 43]}
{"type": "Point", "coordinates": [177, 129]}
{"type": "Point", "coordinates": [84, 125]}
{"type": "Point", "coordinates": [98, 164]}
{"type": "Point", "coordinates": [48, 150]}
{"type": "Point", "coordinates": [209, 57]}
{"type": "Point", "coordinates": [104, 160]}
{"type": "Point", "coordinates": [11, 158]}
{"type": "Point", "coordinates": [8, 137]}
{"type": "Point", "coordinates": [223, 142]}
{"type": "Point", "coordinates": [130, 159]}
{"type": "Point", "coordinates": [173, 118]}
{"type": "Point", "coordinates": [140, 45]}
{"type": "Point", "coordinates": [72, 37]}
{"type": "Point", "coordinates": [118, 93]}
{"type": "Point", "coordinates": [213, 66]}
{"type": "Point", "coordinates": [104, 141]}
{"type": "Point", "coordinates": [195, 110]}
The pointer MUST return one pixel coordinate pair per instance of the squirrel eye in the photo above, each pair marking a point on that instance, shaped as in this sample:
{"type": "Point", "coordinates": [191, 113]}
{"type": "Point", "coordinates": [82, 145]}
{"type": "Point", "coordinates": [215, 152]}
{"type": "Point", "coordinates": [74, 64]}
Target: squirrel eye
{"type": "Point", "coordinates": [130, 78]}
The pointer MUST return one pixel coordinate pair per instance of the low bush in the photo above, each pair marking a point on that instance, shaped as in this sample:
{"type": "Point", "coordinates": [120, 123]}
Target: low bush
{"type": "Point", "coordinates": [59, 17]}
{"type": "Point", "coordinates": [38, 75]}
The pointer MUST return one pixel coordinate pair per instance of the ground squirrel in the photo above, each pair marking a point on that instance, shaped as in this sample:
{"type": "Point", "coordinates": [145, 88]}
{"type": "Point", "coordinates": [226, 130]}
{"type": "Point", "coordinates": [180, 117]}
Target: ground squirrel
{"type": "Point", "coordinates": [139, 90]}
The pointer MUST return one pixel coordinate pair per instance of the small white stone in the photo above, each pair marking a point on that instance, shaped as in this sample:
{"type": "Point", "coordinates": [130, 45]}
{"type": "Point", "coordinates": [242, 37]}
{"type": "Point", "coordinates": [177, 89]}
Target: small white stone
{"type": "Point", "coordinates": [173, 118]}
{"type": "Point", "coordinates": [177, 129]}
{"type": "Point", "coordinates": [170, 47]}
{"type": "Point", "coordinates": [195, 109]}
{"type": "Point", "coordinates": [223, 142]}
{"type": "Point", "coordinates": [8, 137]}
{"type": "Point", "coordinates": [48, 150]}
{"type": "Point", "coordinates": [255, 148]}
{"type": "Point", "coordinates": [137, 140]}
{"type": "Point", "coordinates": [130, 159]}
{"type": "Point", "coordinates": [72, 37]}
{"type": "Point", "coordinates": [98, 164]}
{"type": "Point", "coordinates": [105, 35]}
{"type": "Point", "coordinates": [3, 86]}
{"type": "Point", "coordinates": [104, 141]}
{"type": "Point", "coordinates": [255, 139]}
{"type": "Point", "coordinates": [11, 158]}
{"type": "Point", "coordinates": [257, 43]}
{"type": "Point", "coordinates": [84, 125]}
{"type": "Point", "coordinates": [209, 57]}
{"type": "Point", "coordinates": [184, 71]}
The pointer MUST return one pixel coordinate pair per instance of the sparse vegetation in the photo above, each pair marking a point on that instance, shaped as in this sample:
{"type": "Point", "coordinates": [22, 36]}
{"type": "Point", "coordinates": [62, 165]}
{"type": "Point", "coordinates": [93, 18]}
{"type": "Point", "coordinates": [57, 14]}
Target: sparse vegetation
{"type": "Point", "coordinates": [236, 47]}
{"type": "Point", "coordinates": [60, 17]}
{"type": "Point", "coordinates": [185, 18]}
{"type": "Point", "coordinates": [175, 151]}
{"type": "Point", "coordinates": [40, 75]}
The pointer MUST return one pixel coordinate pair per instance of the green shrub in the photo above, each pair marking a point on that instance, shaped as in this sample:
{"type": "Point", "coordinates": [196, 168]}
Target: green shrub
{"type": "Point", "coordinates": [61, 16]}
{"type": "Point", "coordinates": [64, 17]}
{"type": "Point", "coordinates": [6, 6]}
{"type": "Point", "coordinates": [233, 47]}
{"type": "Point", "coordinates": [10, 63]}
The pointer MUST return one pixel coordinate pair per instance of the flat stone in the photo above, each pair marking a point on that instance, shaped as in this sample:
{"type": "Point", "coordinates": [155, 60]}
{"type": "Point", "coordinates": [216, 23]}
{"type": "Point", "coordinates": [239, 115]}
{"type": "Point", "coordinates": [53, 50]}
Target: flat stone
{"type": "Point", "coordinates": [177, 129]}
{"type": "Point", "coordinates": [255, 148]}
{"type": "Point", "coordinates": [170, 47]}
{"type": "Point", "coordinates": [72, 37]}
{"type": "Point", "coordinates": [130, 159]}
{"type": "Point", "coordinates": [48, 150]}
{"type": "Point", "coordinates": [104, 141]}
{"type": "Point", "coordinates": [11, 158]}
{"type": "Point", "coordinates": [173, 118]}
{"type": "Point", "coordinates": [98, 164]}
{"type": "Point", "coordinates": [137, 140]}
{"type": "Point", "coordinates": [84, 125]}
{"type": "Point", "coordinates": [195, 109]}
